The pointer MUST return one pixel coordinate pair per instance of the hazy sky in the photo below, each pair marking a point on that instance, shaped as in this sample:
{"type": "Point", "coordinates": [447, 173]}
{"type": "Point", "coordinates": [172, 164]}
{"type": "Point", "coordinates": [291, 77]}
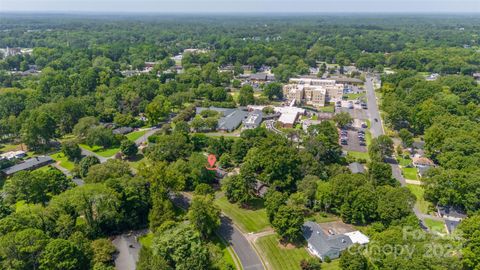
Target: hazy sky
{"type": "Point", "coordinates": [188, 6]}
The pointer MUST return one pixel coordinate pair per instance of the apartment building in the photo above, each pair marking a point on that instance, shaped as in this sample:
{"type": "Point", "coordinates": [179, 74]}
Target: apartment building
{"type": "Point", "coordinates": [314, 92]}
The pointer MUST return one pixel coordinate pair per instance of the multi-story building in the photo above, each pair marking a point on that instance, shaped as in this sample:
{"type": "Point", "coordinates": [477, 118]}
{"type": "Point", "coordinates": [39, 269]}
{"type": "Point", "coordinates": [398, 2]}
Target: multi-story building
{"type": "Point", "coordinates": [313, 92]}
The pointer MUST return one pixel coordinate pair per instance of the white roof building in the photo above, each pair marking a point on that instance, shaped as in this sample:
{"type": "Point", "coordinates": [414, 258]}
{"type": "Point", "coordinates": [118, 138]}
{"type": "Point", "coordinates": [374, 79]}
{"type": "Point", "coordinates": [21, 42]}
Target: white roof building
{"type": "Point", "coordinates": [358, 237]}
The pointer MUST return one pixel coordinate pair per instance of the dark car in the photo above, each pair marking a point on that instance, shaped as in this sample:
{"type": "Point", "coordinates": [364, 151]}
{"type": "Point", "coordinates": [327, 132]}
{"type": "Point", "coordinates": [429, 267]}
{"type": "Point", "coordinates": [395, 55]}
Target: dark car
{"type": "Point", "coordinates": [344, 142]}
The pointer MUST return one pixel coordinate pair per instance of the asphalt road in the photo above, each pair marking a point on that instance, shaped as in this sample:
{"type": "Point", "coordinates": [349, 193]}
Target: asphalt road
{"type": "Point", "coordinates": [376, 128]}
{"type": "Point", "coordinates": [228, 231]}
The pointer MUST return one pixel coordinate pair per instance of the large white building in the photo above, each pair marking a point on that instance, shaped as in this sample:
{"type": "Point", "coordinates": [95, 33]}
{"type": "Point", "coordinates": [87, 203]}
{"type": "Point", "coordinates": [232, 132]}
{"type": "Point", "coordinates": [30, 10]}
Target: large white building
{"type": "Point", "coordinates": [314, 92]}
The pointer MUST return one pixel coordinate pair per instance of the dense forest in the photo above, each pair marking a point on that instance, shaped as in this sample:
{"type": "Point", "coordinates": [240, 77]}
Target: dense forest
{"type": "Point", "coordinates": [80, 87]}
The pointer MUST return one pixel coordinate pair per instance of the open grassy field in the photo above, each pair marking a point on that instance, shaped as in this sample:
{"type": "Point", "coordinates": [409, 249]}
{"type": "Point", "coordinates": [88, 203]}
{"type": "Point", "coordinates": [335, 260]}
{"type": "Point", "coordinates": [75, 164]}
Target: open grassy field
{"type": "Point", "coordinates": [108, 152]}
{"type": "Point", "coordinates": [410, 173]}
{"type": "Point", "coordinates": [249, 220]}
{"type": "Point", "coordinates": [421, 203]}
{"type": "Point", "coordinates": [435, 225]}
{"type": "Point", "coordinates": [361, 155]}
{"type": "Point", "coordinates": [64, 162]}
{"type": "Point", "coordinates": [279, 257]}
{"type": "Point", "coordinates": [133, 136]}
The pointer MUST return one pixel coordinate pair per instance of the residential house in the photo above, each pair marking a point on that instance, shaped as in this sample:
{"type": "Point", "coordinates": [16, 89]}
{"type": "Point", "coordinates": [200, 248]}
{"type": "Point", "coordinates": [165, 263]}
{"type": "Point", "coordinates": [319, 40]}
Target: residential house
{"type": "Point", "coordinates": [29, 164]}
{"type": "Point", "coordinates": [260, 189]}
{"type": "Point", "coordinates": [452, 216]}
{"type": "Point", "coordinates": [122, 130]}
{"type": "Point", "coordinates": [329, 244]}
{"type": "Point", "coordinates": [13, 155]}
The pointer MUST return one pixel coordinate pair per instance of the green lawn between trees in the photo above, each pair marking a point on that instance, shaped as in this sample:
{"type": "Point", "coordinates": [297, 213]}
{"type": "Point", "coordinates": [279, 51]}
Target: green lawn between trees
{"type": "Point", "coordinates": [64, 162]}
{"type": "Point", "coordinates": [421, 203]}
{"type": "Point", "coordinates": [410, 173]}
{"type": "Point", "coordinates": [254, 220]}
{"type": "Point", "coordinates": [285, 258]}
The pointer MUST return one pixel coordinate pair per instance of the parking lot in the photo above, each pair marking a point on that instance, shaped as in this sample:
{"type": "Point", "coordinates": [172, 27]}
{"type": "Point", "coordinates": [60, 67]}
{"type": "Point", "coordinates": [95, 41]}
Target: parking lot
{"type": "Point", "coordinates": [351, 141]}
{"type": "Point", "coordinates": [353, 138]}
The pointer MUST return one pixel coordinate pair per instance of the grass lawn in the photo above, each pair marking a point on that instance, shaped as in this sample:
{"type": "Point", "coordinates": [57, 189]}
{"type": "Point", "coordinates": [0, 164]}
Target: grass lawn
{"type": "Point", "coordinates": [404, 161]}
{"type": "Point", "coordinates": [249, 220]}
{"type": "Point", "coordinates": [354, 96]}
{"type": "Point", "coordinates": [359, 155]}
{"type": "Point", "coordinates": [333, 265]}
{"type": "Point", "coordinates": [146, 240]}
{"type": "Point", "coordinates": [133, 136]}
{"type": "Point", "coordinates": [322, 218]}
{"type": "Point", "coordinates": [9, 147]}
{"type": "Point", "coordinates": [368, 137]}
{"type": "Point", "coordinates": [279, 257]}
{"type": "Point", "coordinates": [64, 162]}
{"type": "Point", "coordinates": [100, 150]}
{"type": "Point", "coordinates": [328, 108]}
{"type": "Point", "coordinates": [435, 225]}
{"type": "Point", "coordinates": [421, 203]}
{"type": "Point", "coordinates": [227, 257]}
{"type": "Point", "coordinates": [410, 173]}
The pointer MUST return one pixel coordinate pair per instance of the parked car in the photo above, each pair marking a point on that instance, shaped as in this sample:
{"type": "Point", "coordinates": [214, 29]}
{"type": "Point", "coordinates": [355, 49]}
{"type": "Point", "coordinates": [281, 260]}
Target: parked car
{"type": "Point", "coordinates": [344, 142]}
{"type": "Point", "coordinates": [364, 125]}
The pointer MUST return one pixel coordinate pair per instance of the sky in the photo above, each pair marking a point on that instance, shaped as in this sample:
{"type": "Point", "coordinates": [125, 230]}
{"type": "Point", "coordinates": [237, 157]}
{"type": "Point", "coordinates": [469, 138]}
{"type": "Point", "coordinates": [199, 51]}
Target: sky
{"type": "Point", "coordinates": [243, 6]}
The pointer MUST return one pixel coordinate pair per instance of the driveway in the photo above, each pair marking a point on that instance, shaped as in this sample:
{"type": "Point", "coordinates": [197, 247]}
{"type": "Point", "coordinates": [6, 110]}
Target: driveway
{"type": "Point", "coordinates": [86, 152]}
{"type": "Point", "coordinates": [128, 249]}
{"type": "Point", "coordinates": [145, 136]}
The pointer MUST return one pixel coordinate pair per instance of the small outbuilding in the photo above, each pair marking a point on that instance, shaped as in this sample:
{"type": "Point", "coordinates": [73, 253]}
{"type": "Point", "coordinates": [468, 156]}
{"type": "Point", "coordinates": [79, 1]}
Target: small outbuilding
{"type": "Point", "coordinates": [356, 167]}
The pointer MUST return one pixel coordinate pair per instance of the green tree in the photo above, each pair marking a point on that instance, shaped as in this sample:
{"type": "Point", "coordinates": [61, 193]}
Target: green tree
{"type": "Point", "coordinates": [246, 96]}
{"type": "Point", "coordinates": [158, 109]}
{"type": "Point", "coordinates": [60, 254]}
{"type": "Point", "coordinates": [182, 248]}
{"type": "Point", "coordinates": [22, 249]}
{"type": "Point", "coordinates": [288, 222]}
{"type": "Point", "coordinates": [406, 136]}
{"type": "Point", "coordinates": [343, 119]}
{"type": "Point", "coordinates": [103, 251]}
{"type": "Point", "coordinates": [85, 164]}
{"type": "Point", "coordinates": [273, 90]}
{"type": "Point", "coordinates": [100, 136]}
{"type": "Point", "coordinates": [128, 148]}
{"type": "Point", "coordinates": [380, 174]}
{"type": "Point", "coordinates": [113, 168]}
{"type": "Point", "coordinates": [204, 215]}
{"type": "Point", "coordinates": [353, 259]}
{"type": "Point", "coordinates": [39, 128]}
{"type": "Point", "coordinates": [71, 150]}
{"type": "Point", "coordinates": [310, 264]}
{"type": "Point", "coordinates": [380, 147]}
{"type": "Point", "coordinates": [84, 125]}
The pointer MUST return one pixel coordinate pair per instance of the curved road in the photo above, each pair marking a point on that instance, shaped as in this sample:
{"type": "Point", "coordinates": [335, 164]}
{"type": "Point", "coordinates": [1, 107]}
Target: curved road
{"type": "Point", "coordinates": [229, 232]}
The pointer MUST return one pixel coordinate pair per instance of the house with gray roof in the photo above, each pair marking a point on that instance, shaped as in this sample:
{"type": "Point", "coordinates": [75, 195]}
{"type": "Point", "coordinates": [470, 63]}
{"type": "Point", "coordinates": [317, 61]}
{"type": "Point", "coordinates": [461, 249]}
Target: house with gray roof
{"type": "Point", "coordinates": [329, 244]}
{"type": "Point", "coordinates": [29, 164]}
